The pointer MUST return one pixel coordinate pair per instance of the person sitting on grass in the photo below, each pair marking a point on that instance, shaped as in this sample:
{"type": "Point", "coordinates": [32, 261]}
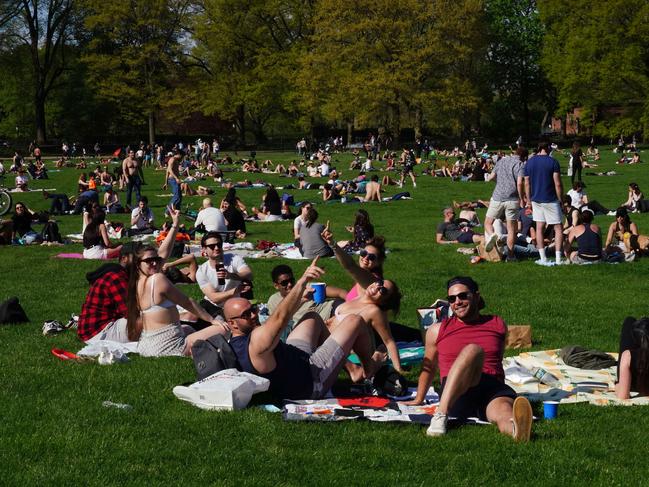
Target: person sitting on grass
{"type": "Point", "coordinates": [373, 189]}
{"type": "Point", "coordinates": [142, 219]}
{"type": "Point", "coordinates": [308, 364]}
{"type": "Point", "coordinates": [103, 314]}
{"type": "Point", "coordinates": [152, 298]}
{"type": "Point", "coordinates": [622, 232]}
{"type": "Point", "coordinates": [589, 240]}
{"type": "Point", "coordinates": [271, 209]}
{"type": "Point", "coordinates": [311, 241]}
{"type": "Point", "coordinates": [363, 231]}
{"type": "Point", "coordinates": [468, 348]}
{"type": "Point", "coordinates": [284, 281]}
{"type": "Point", "coordinates": [111, 201]}
{"type": "Point", "coordinates": [21, 228]}
{"type": "Point", "coordinates": [633, 364]}
{"type": "Point", "coordinates": [22, 180]}
{"type": "Point", "coordinates": [96, 244]}
{"type": "Point", "coordinates": [184, 275]}
{"type": "Point", "coordinates": [450, 231]}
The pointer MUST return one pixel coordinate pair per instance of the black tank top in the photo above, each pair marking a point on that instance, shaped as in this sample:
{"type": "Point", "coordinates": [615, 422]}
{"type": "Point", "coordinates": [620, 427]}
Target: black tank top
{"type": "Point", "coordinates": [589, 242]}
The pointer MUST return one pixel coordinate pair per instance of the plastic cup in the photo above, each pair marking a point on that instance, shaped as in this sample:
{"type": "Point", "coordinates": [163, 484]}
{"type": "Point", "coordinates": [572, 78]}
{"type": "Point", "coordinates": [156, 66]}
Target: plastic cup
{"type": "Point", "coordinates": [550, 409]}
{"type": "Point", "coordinates": [319, 292]}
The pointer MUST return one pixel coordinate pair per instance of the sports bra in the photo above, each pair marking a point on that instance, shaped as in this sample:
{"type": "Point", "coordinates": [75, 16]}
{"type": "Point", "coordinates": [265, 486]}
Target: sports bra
{"type": "Point", "coordinates": [166, 304]}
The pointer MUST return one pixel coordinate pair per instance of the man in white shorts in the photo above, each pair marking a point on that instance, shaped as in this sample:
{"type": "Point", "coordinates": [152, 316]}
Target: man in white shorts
{"type": "Point", "coordinates": [544, 190]}
{"type": "Point", "coordinates": [507, 199]}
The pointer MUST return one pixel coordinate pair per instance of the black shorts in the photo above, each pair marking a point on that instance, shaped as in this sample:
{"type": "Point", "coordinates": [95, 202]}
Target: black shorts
{"type": "Point", "coordinates": [473, 403]}
{"type": "Point", "coordinates": [466, 237]}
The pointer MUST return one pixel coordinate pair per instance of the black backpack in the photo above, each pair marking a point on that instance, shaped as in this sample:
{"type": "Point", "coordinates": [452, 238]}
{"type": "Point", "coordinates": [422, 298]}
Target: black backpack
{"type": "Point", "coordinates": [12, 312]}
{"type": "Point", "coordinates": [213, 355]}
{"type": "Point", "coordinates": [51, 233]}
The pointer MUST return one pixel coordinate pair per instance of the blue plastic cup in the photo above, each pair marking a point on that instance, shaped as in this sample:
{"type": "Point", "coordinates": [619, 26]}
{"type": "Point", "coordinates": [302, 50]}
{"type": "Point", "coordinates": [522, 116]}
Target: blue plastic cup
{"type": "Point", "coordinates": [550, 409]}
{"type": "Point", "coordinates": [319, 292]}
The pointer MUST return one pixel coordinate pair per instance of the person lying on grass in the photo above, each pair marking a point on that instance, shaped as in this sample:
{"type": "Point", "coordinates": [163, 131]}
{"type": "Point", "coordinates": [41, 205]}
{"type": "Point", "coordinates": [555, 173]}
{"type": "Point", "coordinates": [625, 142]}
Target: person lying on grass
{"type": "Point", "coordinates": [153, 299]}
{"type": "Point", "coordinates": [468, 349]}
{"type": "Point", "coordinates": [450, 231]}
{"type": "Point", "coordinates": [372, 300]}
{"type": "Point", "coordinates": [307, 365]}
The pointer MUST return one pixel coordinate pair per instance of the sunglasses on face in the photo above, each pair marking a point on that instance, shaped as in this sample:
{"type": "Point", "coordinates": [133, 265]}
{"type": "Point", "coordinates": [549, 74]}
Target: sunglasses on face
{"type": "Point", "coordinates": [461, 296]}
{"type": "Point", "coordinates": [366, 255]}
{"type": "Point", "coordinates": [152, 260]}
{"type": "Point", "coordinates": [381, 286]}
{"type": "Point", "coordinates": [286, 282]}
{"type": "Point", "coordinates": [247, 314]}
{"type": "Point", "coordinates": [213, 246]}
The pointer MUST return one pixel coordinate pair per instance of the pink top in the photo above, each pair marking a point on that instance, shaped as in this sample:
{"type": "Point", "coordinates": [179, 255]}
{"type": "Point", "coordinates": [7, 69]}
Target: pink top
{"type": "Point", "coordinates": [488, 332]}
{"type": "Point", "coordinates": [352, 294]}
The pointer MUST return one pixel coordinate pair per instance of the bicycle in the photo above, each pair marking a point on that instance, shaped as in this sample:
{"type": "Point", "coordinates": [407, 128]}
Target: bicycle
{"type": "Point", "coordinates": [5, 198]}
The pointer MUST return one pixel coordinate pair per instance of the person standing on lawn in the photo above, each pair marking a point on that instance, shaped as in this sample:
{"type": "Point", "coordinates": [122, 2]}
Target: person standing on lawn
{"type": "Point", "coordinates": [544, 191]}
{"type": "Point", "coordinates": [507, 199]}
{"type": "Point", "coordinates": [468, 349]}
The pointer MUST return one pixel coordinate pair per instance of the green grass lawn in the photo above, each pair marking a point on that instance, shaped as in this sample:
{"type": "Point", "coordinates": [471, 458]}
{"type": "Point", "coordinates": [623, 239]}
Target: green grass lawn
{"type": "Point", "coordinates": [54, 429]}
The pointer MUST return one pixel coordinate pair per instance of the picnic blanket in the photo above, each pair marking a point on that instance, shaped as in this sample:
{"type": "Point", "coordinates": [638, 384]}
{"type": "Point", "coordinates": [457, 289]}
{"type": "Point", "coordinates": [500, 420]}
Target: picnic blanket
{"type": "Point", "coordinates": [577, 385]}
{"type": "Point", "coordinates": [409, 352]}
{"type": "Point", "coordinates": [371, 408]}
{"type": "Point", "coordinates": [72, 255]}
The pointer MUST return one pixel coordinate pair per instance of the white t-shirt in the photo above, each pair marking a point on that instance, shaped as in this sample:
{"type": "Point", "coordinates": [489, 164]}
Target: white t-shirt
{"type": "Point", "coordinates": [213, 220]}
{"type": "Point", "coordinates": [324, 169]}
{"type": "Point", "coordinates": [575, 198]}
{"type": "Point", "coordinates": [206, 274]}
{"type": "Point", "coordinates": [143, 217]}
{"type": "Point", "coordinates": [298, 223]}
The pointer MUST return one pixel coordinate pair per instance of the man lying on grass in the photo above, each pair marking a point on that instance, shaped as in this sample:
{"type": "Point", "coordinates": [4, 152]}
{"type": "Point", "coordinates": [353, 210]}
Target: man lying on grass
{"type": "Point", "coordinates": [307, 365]}
{"type": "Point", "coordinates": [468, 347]}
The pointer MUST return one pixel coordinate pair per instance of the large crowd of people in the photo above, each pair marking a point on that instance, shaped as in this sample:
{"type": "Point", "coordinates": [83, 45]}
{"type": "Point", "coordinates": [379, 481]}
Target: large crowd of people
{"type": "Point", "coordinates": [301, 344]}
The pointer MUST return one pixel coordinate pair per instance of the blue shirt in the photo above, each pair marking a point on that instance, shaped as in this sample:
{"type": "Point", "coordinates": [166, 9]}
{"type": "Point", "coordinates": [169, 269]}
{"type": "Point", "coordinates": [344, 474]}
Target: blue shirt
{"type": "Point", "coordinates": [540, 169]}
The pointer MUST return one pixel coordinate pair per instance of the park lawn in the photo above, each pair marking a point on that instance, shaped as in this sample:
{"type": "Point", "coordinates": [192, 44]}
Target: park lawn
{"type": "Point", "coordinates": [56, 431]}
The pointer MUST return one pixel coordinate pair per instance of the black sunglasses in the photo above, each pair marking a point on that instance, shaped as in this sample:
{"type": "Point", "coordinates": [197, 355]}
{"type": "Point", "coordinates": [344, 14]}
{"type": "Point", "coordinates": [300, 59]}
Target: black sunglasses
{"type": "Point", "coordinates": [286, 282]}
{"type": "Point", "coordinates": [213, 246]}
{"type": "Point", "coordinates": [246, 314]}
{"type": "Point", "coordinates": [152, 260]}
{"type": "Point", "coordinates": [367, 255]}
{"type": "Point", "coordinates": [382, 289]}
{"type": "Point", "coordinates": [461, 296]}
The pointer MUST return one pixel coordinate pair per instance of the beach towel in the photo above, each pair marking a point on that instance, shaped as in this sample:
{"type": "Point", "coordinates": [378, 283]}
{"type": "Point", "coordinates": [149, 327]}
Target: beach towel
{"type": "Point", "coordinates": [72, 255]}
{"type": "Point", "coordinates": [577, 385]}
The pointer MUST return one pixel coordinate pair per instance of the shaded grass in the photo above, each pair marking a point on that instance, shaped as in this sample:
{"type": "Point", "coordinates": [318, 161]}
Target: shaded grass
{"type": "Point", "coordinates": [55, 429]}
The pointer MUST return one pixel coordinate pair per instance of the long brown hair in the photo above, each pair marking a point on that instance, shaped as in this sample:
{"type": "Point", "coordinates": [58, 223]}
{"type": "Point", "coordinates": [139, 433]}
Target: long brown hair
{"type": "Point", "coordinates": [132, 299]}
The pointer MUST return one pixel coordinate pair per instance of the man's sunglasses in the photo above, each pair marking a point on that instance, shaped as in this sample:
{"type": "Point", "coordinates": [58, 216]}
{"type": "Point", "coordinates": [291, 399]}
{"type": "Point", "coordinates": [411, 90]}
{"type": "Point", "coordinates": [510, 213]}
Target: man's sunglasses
{"type": "Point", "coordinates": [286, 282]}
{"type": "Point", "coordinates": [461, 296]}
{"type": "Point", "coordinates": [247, 314]}
{"type": "Point", "coordinates": [366, 255]}
{"type": "Point", "coordinates": [152, 260]}
{"type": "Point", "coordinates": [213, 246]}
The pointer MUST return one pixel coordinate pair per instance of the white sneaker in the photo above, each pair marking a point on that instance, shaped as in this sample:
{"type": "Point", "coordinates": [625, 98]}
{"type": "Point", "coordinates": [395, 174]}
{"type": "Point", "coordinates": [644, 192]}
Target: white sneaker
{"type": "Point", "coordinates": [491, 242]}
{"type": "Point", "coordinates": [562, 262]}
{"type": "Point", "coordinates": [437, 425]}
{"type": "Point", "coordinates": [414, 185]}
{"type": "Point", "coordinates": [52, 327]}
{"type": "Point", "coordinates": [611, 213]}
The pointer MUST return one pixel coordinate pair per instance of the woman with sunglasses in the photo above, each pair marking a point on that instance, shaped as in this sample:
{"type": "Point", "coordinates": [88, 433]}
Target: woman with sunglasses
{"type": "Point", "coordinates": [22, 225]}
{"type": "Point", "coordinates": [373, 305]}
{"type": "Point", "coordinates": [153, 299]}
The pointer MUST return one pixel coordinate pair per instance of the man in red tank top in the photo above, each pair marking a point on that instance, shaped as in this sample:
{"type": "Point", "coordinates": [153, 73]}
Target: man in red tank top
{"type": "Point", "coordinates": [468, 348]}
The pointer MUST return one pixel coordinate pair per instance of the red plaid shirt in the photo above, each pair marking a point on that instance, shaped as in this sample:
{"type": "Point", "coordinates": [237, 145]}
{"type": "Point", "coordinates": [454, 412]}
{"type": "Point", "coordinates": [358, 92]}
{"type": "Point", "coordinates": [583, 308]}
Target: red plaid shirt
{"type": "Point", "coordinates": [105, 303]}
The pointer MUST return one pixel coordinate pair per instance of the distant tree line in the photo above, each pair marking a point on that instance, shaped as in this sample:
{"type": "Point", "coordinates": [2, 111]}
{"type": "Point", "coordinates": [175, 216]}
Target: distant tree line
{"type": "Point", "coordinates": [496, 68]}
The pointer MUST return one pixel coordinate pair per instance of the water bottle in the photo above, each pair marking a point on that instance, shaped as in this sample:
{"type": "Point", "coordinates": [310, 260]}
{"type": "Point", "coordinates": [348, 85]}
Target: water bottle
{"type": "Point", "coordinates": [117, 405]}
{"type": "Point", "coordinates": [545, 377]}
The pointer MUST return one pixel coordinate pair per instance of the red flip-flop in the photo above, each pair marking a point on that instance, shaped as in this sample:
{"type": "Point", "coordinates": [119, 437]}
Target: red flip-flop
{"type": "Point", "coordinates": [65, 355]}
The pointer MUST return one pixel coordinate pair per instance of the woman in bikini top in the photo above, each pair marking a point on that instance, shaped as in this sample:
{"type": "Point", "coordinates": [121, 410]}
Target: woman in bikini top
{"type": "Point", "coordinates": [373, 304]}
{"type": "Point", "coordinates": [153, 298]}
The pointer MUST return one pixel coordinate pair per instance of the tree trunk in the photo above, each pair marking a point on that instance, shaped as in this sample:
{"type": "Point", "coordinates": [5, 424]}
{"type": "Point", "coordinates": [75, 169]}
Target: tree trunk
{"type": "Point", "coordinates": [241, 125]}
{"type": "Point", "coordinates": [350, 133]}
{"type": "Point", "coordinates": [152, 127]}
{"type": "Point", "coordinates": [418, 123]}
{"type": "Point", "coordinates": [39, 103]}
{"type": "Point", "coordinates": [394, 123]}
